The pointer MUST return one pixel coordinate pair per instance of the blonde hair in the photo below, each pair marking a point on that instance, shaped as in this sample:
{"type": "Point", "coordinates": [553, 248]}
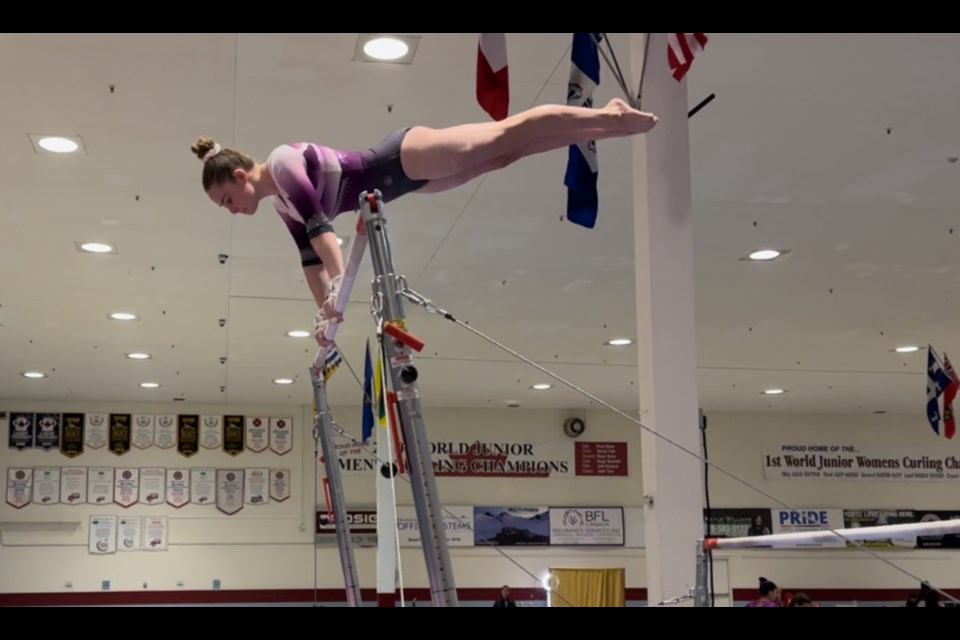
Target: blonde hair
{"type": "Point", "coordinates": [219, 163]}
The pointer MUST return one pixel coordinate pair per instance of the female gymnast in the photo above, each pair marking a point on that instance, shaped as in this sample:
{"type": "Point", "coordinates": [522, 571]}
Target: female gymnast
{"type": "Point", "coordinates": [311, 184]}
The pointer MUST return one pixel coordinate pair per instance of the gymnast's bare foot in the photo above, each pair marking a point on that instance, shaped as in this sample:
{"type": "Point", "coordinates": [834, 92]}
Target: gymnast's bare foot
{"type": "Point", "coordinates": [631, 119]}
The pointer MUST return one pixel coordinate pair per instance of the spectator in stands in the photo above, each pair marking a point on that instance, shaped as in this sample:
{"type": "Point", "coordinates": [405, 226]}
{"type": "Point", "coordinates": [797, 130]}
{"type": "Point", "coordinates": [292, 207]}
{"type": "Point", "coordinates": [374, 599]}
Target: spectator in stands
{"type": "Point", "coordinates": [504, 600]}
{"type": "Point", "coordinates": [928, 597]}
{"type": "Point", "coordinates": [801, 599]}
{"type": "Point", "coordinates": [769, 595]}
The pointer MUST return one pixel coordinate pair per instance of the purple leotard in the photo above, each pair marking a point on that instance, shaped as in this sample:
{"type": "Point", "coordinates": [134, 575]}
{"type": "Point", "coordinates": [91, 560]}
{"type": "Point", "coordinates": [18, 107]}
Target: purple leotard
{"type": "Point", "coordinates": [318, 183]}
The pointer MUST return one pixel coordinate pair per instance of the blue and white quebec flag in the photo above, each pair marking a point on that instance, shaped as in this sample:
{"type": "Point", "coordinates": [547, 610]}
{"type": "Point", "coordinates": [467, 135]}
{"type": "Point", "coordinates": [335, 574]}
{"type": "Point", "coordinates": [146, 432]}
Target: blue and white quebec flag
{"type": "Point", "coordinates": [582, 167]}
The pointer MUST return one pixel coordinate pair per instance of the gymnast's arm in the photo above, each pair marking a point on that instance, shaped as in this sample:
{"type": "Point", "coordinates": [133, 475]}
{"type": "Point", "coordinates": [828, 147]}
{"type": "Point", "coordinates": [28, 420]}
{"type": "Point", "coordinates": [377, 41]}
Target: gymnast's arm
{"type": "Point", "coordinates": [313, 267]}
{"type": "Point", "coordinates": [318, 282]}
{"type": "Point", "coordinates": [328, 249]}
{"type": "Point", "coordinates": [290, 172]}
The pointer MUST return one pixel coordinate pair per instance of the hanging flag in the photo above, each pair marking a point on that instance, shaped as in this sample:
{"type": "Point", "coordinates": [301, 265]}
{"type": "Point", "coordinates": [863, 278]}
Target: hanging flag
{"type": "Point", "coordinates": [368, 397]}
{"type": "Point", "coordinates": [582, 166]}
{"type": "Point", "coordinates": [379, 396]}
{"type": "Point", "coordinates": [493, 82]}
{"type": "Point", "coordinates": [949, 419]}
{"type": "Point", "coordinates": [937, 383]}
{"type": "Point", "coordinates": [681, 49]}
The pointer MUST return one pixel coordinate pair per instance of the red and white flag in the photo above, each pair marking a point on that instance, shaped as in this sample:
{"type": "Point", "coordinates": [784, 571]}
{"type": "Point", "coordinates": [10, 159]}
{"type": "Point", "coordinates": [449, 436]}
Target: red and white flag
{"type": "Point", "coordinates": [681, 49]}
{"type": "Point", "coordinates": [949, 418]}
{"type": "Point", "coordinates": [493, 85]}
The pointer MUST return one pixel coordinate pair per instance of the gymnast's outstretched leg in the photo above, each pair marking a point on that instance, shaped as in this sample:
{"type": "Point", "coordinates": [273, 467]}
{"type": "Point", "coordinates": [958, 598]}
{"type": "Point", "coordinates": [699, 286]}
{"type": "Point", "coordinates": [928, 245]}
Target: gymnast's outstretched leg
{"type": "Point", "coordinates": [540, 145]}
{"type": "Point", "coordinates": [435, 154]}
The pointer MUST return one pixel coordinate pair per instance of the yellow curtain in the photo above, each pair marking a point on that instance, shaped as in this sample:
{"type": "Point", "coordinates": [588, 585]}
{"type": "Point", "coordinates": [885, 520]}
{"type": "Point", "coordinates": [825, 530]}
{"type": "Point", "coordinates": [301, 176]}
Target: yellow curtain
{"type": "Point", "coordinates": [576, 587]}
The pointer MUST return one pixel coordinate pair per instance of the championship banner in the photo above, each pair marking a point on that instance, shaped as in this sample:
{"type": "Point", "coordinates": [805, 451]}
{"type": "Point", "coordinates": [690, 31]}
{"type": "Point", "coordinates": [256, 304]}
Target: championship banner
{"type": "Point", "coordinates": [95, 429]}
{"type": "Point", "coordinates": [21, 426]}
{"type": "Point", "coordinates": [178, 487]}
{"type": "Point", "coordinates": [234, 430]}
{"type": "Point", "coordinates": [46, 485]}
{"type": "Point", "coordinates": [73, 485]}
{"type": "Point", "coordinates": [845, 461]}
{"type": "Point", "coordinates": [143, 431]}
{"type": "Point", "coordinates": [203, 486]}
{"type": "Point", "coordinates": [165, 431]}
{"type": "Point", "coordinates": [257, 436]}
{"type": "Point", "coordinates": [279, 484]}
{"type": "Point", "coordinates": [511, 526]}
{"type": "Point", "coordinates": [281, 435]}
{"type": "Point", "coordinates": [457, 523]}
{"type": "Point", "coordinates": [126, 486]}
{"type": "Point", "coordinates": [153, 485]}
{"type": "Point", "coordinates": [256, 486]}
{"type": "Point", "coordinates": [188, 434]}
{"type": "Point", "coordinates": [211, 432]}
{"type": "Point", "coordinates": [100, 485]}
{"type": "Point", "coordinates": [71, 438]}
{"type": "Point", "coordinates": [19, 487]}
{"type": "Point", "coordinates": [501, 458]}
{"type": "Point", "coordinates": [129, 533]}
{"type": "Point", "coordinates": [230, 490]}
{"type": "Point", "coordinates": [800, 520]}
{"type": "Point", "coordinates": [119, 438]}
{"type": "Point", "coordinates": [587, 526]}
{"type": "Point", "coordinates": [155, 533]}
{"type": "Point", "coordinates": [48, 431]}
{"type": "Point", "coordinates": [103, 534]}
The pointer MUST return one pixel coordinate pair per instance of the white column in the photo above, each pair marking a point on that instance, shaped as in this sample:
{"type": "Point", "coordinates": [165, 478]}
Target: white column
{"type": "Point", "coordinates": [386, 523]}
{"type": "Point", "coordinates": [666, 332]}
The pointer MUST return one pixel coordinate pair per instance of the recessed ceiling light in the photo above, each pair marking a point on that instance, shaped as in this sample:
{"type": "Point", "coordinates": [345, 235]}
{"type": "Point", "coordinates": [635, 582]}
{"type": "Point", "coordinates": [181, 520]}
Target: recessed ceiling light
{"type": "Point", "coordinates": [619, 342]}
{"type": "Point", "coordinates": [283, 381]}
{"type": "Point", "coordinates": [385, 48]}
{"type": "Point", "coordinates": [138, 356]}
{"type": "Point", "coordinates": [376, 47]}
{"type": "Point", "coordinates": [121, 315]}
{"type": "Point", "coordinates": [541, 386]}
{"type": "Point", "coordinates": [773, 392]}
{"type": "Point", "coordinates": [33, 374]}
{"type": "Point", "coordinates": [907, 349]}
{"type": "Point", "coordinates": [764, 254]}
{"type": "Point", "coordinates": [297, 333]}
{"type": "Point", "coordinates": [96, 247]}
{"type": "Point", "coordinates": [150, 385]}
{"type": "Point", "coordinates": [58, 144]}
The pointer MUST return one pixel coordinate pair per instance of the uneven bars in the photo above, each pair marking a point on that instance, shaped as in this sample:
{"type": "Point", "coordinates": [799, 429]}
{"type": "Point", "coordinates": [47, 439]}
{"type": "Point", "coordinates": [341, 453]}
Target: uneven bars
{"type": "Point", "coordinates": [935, 528]}
{"type": "Point", "coordinates": [350, 270]}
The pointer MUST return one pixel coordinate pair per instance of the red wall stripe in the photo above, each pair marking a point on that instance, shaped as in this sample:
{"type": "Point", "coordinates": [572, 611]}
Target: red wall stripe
{"type": "Point", "coordinates": [230, 596]}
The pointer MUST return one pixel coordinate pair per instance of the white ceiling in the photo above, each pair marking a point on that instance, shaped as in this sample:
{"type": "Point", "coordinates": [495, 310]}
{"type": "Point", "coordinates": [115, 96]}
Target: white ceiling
{"type": "Point", "coordinates": [794, 153]}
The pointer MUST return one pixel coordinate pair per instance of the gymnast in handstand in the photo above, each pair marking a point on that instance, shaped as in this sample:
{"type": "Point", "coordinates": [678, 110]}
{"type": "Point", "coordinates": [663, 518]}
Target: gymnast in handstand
{"type": "Point", "coordinates": [311, 184]}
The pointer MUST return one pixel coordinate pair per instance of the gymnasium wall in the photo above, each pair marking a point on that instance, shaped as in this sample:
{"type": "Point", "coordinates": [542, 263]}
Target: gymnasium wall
{"type": "Point", "coordinates": [268, 547]}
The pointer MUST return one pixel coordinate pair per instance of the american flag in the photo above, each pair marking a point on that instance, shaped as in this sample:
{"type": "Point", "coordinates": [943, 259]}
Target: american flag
{"type": "Point", "coordinates": [681, 49]}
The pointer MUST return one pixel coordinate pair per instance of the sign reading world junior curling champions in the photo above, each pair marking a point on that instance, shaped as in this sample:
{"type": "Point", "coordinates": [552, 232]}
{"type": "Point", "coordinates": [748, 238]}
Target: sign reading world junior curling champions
{"type": "Point", "coordinates": [504, 459]}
